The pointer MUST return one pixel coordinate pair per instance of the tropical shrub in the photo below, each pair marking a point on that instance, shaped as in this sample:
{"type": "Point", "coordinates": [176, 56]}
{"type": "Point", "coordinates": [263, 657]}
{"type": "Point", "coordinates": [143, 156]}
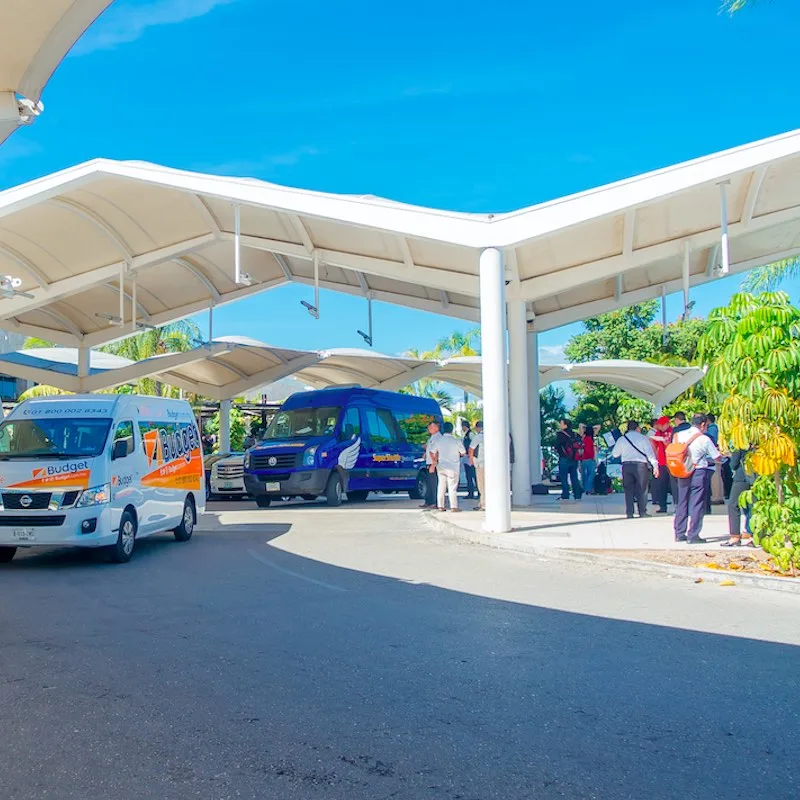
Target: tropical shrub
{"type": "Point", "coordinates": [752, 348]}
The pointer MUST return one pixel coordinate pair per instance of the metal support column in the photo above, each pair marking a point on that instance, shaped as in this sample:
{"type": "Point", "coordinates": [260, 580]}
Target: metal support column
{"type": "Point", "coordinates": [225, 426]}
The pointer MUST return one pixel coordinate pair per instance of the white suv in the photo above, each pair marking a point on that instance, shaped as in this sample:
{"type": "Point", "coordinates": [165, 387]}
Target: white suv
{"type": "Point", "coordinates": [227, 476]}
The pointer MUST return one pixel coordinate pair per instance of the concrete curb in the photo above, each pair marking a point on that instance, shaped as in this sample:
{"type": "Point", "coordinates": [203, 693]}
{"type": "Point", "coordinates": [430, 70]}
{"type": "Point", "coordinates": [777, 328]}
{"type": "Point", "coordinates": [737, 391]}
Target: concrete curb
{"type": "Point", "coordinates": [510, 543]}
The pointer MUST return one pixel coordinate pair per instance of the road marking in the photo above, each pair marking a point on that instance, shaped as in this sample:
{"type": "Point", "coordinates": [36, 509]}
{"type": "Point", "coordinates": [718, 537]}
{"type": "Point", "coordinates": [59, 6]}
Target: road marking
{"type": "Point", "coordinates": [268, 563]}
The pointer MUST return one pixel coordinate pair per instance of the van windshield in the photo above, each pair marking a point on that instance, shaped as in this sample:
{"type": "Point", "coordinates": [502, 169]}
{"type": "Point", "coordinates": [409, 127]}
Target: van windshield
{"type": "Point", "coordinates": [300, 423]}
{"type": "Point", "coordinates": [53, 438]}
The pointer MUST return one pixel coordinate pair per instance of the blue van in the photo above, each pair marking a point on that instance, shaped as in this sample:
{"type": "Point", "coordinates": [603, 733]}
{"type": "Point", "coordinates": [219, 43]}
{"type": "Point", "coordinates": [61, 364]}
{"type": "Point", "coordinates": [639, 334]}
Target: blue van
{"type": "Point", "coordinates": [343, 440]}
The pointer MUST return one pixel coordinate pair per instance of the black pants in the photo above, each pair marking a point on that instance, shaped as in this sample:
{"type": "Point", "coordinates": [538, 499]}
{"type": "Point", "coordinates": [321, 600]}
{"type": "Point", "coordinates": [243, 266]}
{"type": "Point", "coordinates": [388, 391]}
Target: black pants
{"type": "Point", "coordinates": [635, 477]}
{"type": "Point", "coordinates": [469, 474]}
{"type": "Point", "coordinates": [735, 513]}
{"type": "Point", "coordinates": [431, 485]}
{"type": "Point", "coordinates": [661, 487]}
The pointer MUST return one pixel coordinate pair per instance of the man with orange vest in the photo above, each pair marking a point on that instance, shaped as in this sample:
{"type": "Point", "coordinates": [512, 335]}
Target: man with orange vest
{"type": "Point", "coordinates": [693, 491]}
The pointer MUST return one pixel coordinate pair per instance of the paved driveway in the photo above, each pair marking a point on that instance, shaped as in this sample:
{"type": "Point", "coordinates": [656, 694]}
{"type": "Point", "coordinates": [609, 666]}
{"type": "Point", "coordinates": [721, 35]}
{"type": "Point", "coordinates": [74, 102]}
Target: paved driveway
{"type": "Point", "coordinates": [301, 652]}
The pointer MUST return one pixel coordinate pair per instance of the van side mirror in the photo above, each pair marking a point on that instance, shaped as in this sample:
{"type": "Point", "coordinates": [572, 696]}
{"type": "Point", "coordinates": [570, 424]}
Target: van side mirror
{"type": "Point", "coordinates": [120, 449]}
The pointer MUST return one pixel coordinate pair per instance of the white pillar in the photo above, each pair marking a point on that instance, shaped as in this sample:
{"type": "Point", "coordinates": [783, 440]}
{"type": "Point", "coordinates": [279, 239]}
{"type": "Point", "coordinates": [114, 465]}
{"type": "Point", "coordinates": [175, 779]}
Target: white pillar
{"type": "Point", "coordinates": [84, 355]}
{"type": "Point", "coordinates": [495, 391]}
{"type": "Point", "coordinates": [535, 420]}
{"type": "Point", "coordinates": [225, 426]}
{"type": "Point", "coordinates": [518, 395]}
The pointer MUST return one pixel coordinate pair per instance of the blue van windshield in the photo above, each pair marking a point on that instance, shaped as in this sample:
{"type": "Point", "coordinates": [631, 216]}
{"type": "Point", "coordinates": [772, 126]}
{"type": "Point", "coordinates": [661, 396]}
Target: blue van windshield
{"type": "Point", "coordinates": [302, 423]}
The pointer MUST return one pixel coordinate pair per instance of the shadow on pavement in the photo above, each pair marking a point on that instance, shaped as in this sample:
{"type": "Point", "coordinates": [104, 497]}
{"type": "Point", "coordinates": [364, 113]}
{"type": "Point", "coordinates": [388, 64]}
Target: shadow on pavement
{"type": "Point", "coordinates": [198, 670]}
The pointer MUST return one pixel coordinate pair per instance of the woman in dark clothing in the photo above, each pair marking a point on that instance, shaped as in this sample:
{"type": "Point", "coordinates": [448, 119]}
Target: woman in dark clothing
{"type": "Point", "coordinates": [741, 483]}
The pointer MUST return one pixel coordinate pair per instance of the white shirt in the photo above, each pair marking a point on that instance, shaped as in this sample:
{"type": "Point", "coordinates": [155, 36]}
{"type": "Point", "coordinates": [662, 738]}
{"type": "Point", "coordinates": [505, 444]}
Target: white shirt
{"type": "Point", "coordinates": [449, 450]}
{"type": "Point", "coordinates": [628, 449]}
{"type": "Point", "coordinates": [435, 437]}
{"type": "Point", "coordinates": [702, 450]}
{"type": "Point", "coordinates": [476, 445]}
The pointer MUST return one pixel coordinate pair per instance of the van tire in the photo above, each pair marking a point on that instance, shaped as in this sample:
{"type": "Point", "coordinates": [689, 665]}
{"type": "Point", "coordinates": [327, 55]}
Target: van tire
{"type": "Point", "coordinates": [185, 530]}
{"type": "Point", "coordinates": [263, 502]}
{"type": "Point", "coordinates": [6, 554]}
{"type": "Point", "coordinates": [420, 487]}
{"type": "Point", "coordinates": [333, 490]}
{"type": "Point", "coordinates": [121, 552]}
{"type": "Point", "coordinates": [358, 496]}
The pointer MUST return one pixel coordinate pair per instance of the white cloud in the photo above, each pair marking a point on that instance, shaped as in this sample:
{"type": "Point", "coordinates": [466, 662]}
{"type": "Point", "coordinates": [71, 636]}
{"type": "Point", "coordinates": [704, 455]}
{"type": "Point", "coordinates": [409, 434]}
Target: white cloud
{"type": "Point", "coordinates": [552, 354]}
{"type": "Point", "coordinates": [126, 23]}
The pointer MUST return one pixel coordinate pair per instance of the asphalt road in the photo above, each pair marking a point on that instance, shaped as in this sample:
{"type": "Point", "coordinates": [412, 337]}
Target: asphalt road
{"type": "Point", "coordinates": [298, 652]}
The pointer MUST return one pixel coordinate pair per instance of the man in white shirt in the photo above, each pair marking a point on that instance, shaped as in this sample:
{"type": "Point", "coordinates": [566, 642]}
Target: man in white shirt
{"type": "Point", "coordinates": [430, 472]}
{"type": "Point", "coordinates": [446, 452]}
{"type": "Point", "coordinates": [636, 452]}
{"type": "Point", "coordinates": [477, 460]}
{"type": "Point", "coordinates": [694, 491]}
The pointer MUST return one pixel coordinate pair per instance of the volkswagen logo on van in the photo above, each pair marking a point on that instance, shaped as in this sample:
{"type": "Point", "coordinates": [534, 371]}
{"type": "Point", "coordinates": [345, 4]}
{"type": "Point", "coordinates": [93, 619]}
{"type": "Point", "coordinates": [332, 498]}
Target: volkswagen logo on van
{"type": "Point", "coordinates": [272, 461]}
{"type": "Point", "coordinates": [25, 500]}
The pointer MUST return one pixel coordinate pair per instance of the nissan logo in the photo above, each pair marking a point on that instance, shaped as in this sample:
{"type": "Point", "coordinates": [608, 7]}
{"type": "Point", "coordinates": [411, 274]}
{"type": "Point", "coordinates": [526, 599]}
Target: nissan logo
{"type": "Point", "coordinates": [25, 500]}
{"type": "Point", "coordinates": [272, 461]}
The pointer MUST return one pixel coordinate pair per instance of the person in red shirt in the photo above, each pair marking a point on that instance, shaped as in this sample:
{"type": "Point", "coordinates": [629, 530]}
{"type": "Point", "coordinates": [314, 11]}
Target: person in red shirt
{"type": "Point", "coordinates": [660, 436]}
{"type": "Point", "coordinates": [587, 461]}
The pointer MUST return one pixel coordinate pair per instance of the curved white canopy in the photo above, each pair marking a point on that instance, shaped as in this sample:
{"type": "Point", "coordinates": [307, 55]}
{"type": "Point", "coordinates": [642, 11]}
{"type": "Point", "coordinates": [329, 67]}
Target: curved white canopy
{"type": "Point", "coordinates": [35, 35]}
{"type": "Point", "coordinates": [69, 236]}
{"type": "Point", "coordinates": [653, 382]}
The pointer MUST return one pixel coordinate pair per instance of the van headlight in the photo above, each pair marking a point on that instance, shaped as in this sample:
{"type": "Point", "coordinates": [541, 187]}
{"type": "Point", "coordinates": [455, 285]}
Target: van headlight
{"type": "Point", "coordinates": [308, 456]}
{"type": "Point", "coordinates": [96, 496]}
{"type": "Point", "coordinates": [247, 460]}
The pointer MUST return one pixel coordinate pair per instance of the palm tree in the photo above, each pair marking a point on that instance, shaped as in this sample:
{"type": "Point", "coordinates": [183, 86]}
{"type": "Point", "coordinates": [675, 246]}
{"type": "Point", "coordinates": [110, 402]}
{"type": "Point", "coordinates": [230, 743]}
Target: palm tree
{"type": "Point", "coordinates": [459, 343]}
{"type": "Point", "coordinates": [769, 277]}
{"type": "Point", "coordinates": [426, 387]}
{"type": "Point", "coordinates": [177, 337]}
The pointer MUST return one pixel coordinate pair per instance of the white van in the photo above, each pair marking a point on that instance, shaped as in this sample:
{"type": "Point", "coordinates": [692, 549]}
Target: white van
{"type": "Point", "coordinates": [98, 471]}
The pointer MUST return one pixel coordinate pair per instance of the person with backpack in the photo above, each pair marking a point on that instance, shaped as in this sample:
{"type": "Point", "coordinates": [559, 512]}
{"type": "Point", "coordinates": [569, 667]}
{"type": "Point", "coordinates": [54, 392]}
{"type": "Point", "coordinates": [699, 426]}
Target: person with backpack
{"type": "Point", "coordinates": [636, 452]}
{"type": "Point", "coordinates": [742, 482]}
{"type": "Point", "coordinates": [570, 449]}
{"type": "Point", "coordinates": [692, 458]}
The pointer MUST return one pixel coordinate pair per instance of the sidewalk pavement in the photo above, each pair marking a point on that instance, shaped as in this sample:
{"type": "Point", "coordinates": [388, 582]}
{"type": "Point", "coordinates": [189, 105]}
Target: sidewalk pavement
{"type": "Point", "coordinates": [592, 523]}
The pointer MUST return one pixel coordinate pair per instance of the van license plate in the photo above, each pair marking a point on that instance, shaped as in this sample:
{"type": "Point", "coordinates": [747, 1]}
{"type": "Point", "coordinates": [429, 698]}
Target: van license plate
{"type": "Point", "coordinates": [273, 487]}
{"type": "Point", "coordinates": [23, 534]}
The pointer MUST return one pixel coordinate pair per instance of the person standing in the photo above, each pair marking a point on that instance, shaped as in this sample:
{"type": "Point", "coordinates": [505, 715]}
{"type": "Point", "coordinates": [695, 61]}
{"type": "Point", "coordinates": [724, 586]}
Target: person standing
{"type": "Point", "coordinates": [567, 447]}
{"type": "Point", "coordinates": [679, 424]}
{"type": "Point", "coordinates": [636, 452]}
{"type": "Point", "coordinates": [660, 436]}
{"type": "Point", "coordinates": [430, 472]}
{"type": "Point", "coordinates": [717, 497]}
{"type": "Point", "coordinates": [693, 491]}
{"type": "Point", "coordinates": [476, 460]}
{"type": "Point", "coordinates": [446, 451]}
{"type": "Point", "coordinates": [741, 483]}
{"type": "Point", "coordinates": [587, 464]}
{"type": "Point", "coordinates": [469, 470]}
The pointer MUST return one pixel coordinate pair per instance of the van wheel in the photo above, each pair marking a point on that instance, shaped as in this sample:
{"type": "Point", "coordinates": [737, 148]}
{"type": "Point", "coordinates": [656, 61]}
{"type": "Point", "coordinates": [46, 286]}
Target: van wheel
{"type": "Point", "coordinates": [263, 502]}
{"type": "Point", "coordinates": [420, 487]}
{"type": "Point", "coordinates": [121, 552]}
{"type": "Point", "coordinates": [6, 554]}
{"type": "Point", "coordinates": [333, 491]}
{"type": "Point", "coordinates": [358, 496]}
{"type": "Point", "coordinates": [185, 530]}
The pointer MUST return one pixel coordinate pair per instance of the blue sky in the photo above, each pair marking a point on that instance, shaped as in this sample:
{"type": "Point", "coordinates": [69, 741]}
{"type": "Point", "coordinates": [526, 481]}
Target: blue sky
{"type": "Point", "coordinates": [464, 105]}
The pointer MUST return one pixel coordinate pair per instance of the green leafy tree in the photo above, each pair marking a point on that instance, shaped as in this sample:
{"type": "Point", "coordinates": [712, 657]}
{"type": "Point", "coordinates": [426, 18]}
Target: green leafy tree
{"type": "Point", "coordinates": [630, 333]}
{"type": "Point", "coordinates": [425, 387]}
{"type": "Point", "coordinates": [238, 429]}
{"type": "Point", "coordinates": [752, 349]}
{"type": "Point", "coordinates": [769, 277]}
{"type": "Point", "coordinates": [552, 408]}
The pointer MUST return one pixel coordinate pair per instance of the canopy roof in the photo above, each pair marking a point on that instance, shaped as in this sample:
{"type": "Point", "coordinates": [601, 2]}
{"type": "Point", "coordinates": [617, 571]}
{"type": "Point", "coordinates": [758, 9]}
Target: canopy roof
{"type": "Point", "coordinates": [231, 366]}
{"type": "Point", "coordinates": [35, 35]}
{"type": "Point", "coordinates": [653, 382]}
{"type": "Point", "coordinates": [66, 237]}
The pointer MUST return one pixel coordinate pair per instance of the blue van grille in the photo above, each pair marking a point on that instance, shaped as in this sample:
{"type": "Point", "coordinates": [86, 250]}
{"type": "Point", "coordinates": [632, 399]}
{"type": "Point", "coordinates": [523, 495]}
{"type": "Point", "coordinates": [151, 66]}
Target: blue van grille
{"type": "Point", "coordinates": [264, 461]}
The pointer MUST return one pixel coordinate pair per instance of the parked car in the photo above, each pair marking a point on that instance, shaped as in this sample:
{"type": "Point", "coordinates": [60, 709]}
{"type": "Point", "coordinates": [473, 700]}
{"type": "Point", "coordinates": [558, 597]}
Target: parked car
{"type": "Point", "coordinates": [99, 471]}
{"type": "Point", "coordinates": [226, 476]}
